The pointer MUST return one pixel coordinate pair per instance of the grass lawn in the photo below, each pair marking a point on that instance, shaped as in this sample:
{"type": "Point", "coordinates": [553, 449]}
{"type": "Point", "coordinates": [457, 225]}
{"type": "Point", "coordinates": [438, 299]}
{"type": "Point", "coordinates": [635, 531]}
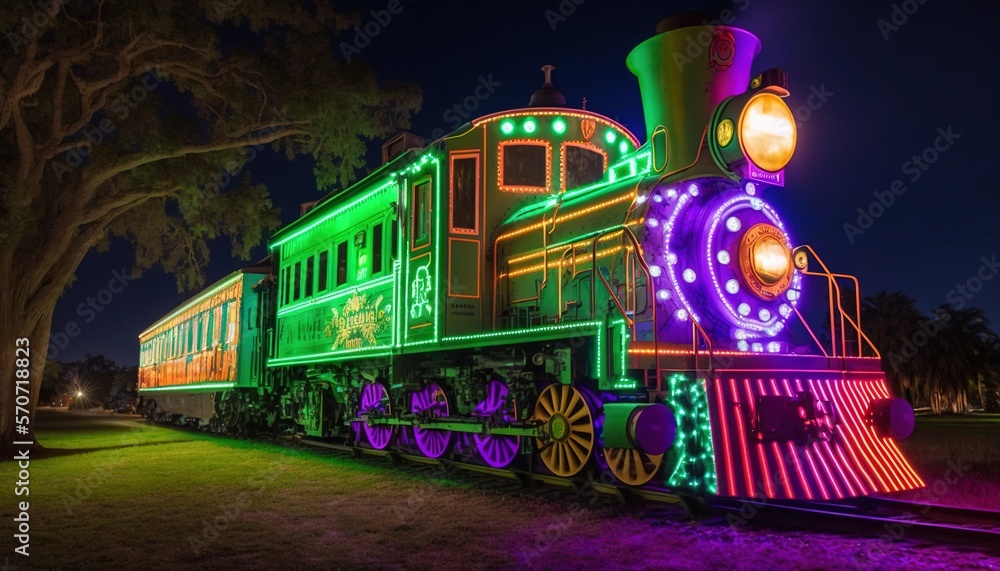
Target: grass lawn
{"type": "Point", "coordinates": [125, 495]}
{"type": "Point", "coordinates": [959, 458]}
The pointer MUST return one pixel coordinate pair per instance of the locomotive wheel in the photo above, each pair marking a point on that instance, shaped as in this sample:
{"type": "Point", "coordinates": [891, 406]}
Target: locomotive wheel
{"type": "Point", "coordinates": [571, 424]}
{"type": "Point", "coordinates": [430, 401]}
{"type": "Point", "coordinates": [632, 467]}
{"type": "Point", "coordinates": [375, 399]}
{"type": "Point", "coordinates": [497, 451]}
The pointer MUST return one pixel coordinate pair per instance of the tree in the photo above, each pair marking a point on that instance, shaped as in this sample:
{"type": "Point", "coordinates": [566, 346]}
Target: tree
{"type": "Point", "coordinates": [890, 319]}
{"type": "Point", "coordinates": [932, 361]}
{"type": "Point", "coordinates": [52, 381]}
{"type": "Point", "coordinates": [137, 119]}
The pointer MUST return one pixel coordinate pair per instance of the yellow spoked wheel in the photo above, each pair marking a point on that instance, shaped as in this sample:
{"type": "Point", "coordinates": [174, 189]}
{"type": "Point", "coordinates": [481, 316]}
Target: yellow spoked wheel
{"type": "Point", "coordinates": [632, 467]}
{"type": "Point", "coordinates": [571, 425]}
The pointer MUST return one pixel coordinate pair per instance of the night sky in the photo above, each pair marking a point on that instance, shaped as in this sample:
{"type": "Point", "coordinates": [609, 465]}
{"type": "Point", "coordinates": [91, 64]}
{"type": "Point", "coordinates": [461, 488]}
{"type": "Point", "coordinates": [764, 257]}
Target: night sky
{"type": "Point", "coordinates": [886, 93]}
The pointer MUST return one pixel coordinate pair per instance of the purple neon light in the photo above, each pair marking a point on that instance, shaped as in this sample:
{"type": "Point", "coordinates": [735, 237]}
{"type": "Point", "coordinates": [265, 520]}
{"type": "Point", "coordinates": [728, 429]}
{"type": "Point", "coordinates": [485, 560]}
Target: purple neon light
{"type": "Point", "coordinates": [430, 402]}
{"type": "Point", "coordinates": [497, 451]}
{"type": "Point", "coordinates": [373, 400]}
{"type": "Point", "coordinates": [694, 240]}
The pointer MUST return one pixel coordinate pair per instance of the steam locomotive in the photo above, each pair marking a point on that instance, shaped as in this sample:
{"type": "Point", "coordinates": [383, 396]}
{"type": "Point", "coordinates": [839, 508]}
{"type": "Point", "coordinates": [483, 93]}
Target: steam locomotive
{"type": "Point", "coordinates": [539, 290]}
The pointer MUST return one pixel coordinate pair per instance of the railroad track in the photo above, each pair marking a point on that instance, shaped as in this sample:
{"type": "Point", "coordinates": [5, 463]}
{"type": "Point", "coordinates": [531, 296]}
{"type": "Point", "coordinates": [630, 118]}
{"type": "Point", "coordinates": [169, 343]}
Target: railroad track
{"type": "Point", "coordinates": [893, 520]}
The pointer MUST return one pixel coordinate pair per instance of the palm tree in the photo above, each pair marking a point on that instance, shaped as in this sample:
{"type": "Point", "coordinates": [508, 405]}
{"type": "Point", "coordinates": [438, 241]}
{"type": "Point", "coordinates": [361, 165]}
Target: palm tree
{"type": "Point", "coordinates": [972, 354]}
{"type": "Point", "coordinates": [891, 319]}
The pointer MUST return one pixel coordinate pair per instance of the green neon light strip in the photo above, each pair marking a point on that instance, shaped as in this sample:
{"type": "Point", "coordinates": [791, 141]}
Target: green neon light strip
{"type": "Point", "coordinates": [308, 303]}
{"type": "Point", "coordinates": [191, 387]}
{"type": "Point", "coordinates": [523, 332]}
{"type": "Point", "coordinates": [396, 268]}
{"type": "Point", "coordinates": [624, 348]}
{"type": "Point", "coordinates": [404, 256]}
{"type": "Point", "coordinates": [373, 351]}
{"type": "Point", "coordinates": [334, 213]}
{"type": "Point", "coordinates": [212, 290]}
{"type": "Point", "coordinates": [695, 468]}
{"type": "Point", "coordinates": [438, 277]}
{"type": "Point", "coordinates": [636, 164]}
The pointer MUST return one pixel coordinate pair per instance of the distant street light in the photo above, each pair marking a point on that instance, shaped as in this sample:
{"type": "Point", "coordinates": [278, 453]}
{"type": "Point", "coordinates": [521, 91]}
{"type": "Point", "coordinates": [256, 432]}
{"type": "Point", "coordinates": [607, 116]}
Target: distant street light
{"type": "Point", "coordinates": [79, 393]}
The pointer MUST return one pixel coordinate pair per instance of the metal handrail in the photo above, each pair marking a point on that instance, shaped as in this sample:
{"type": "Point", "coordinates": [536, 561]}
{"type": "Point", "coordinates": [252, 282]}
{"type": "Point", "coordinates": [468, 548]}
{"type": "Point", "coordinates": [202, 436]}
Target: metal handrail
{"type": "Point", "coordinates": [695, 329]}
{"type": "Point", "coordinates": [833, 285]}
{"type": "Point", "coordinates": [627, 232]}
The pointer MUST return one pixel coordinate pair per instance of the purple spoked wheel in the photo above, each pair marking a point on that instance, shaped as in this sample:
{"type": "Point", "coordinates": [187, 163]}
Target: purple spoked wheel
{"type": "Point", "coordinates": [375, 399]}
{"type": "Point", "coordinates": [430, 401]}
{"type": "Point", "coordinates": [497, 451]}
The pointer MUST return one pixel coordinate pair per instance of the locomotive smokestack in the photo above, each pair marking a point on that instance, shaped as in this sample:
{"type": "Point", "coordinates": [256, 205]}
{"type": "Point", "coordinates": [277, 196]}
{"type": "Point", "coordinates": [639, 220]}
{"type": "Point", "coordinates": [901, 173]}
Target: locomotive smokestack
{"type": "Point", "coordinates": [684, 72]}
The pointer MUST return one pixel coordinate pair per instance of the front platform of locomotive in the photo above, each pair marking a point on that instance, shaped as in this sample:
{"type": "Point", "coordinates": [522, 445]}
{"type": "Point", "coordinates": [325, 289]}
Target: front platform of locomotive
{"type": "Point", "coordinates": [788, 419]}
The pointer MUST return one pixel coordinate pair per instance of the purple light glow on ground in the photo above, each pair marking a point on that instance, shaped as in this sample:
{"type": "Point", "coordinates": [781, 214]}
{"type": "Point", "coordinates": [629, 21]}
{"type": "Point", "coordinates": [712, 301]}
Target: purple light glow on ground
{"type": "Point", "coordinates": [600, 539]}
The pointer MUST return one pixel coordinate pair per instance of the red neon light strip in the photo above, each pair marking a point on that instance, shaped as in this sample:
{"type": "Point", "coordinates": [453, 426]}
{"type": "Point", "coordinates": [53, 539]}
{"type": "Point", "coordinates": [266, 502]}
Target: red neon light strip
{"type": "Point", "coordinates": [794, 455]}
{"type": "Point", "coordinates": [741, 430]}
{"type": "Point", "coordinates": [829, 451]}
{"type": "Point", "coordinates": [723, 419]}
{"type": "Point", "coordinates": [890, 444]}
{"type": "Point", "coordinates": [859, 433]}
{"type": "Point", "coordinates": [883, 389]}
{"type": "Point", "coordinates": [846, 389]}
{"type": "Point", "coordinates": [812, 465]}
{"type": "Point", "coordinates": [854, 466]}
{"type": "Point", "coordinates": [785, 477]}
{"type": "Point", "coordinates": [898, 462]}
{"type": "Point", "coordinates": [819, 454]}
{"type": "Point", "coordinates": [862, 394]}
{"type": "Point", "coordinates": [847, 429]}
{"type": "Point", "coordinates": [855, 396]}
{"type": "Point", "coordinates": [768, 484]}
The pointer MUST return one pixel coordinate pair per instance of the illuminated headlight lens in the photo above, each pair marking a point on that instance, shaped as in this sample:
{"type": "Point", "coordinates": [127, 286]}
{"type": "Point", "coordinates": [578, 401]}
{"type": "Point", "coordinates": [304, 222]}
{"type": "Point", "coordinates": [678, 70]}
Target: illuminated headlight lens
{"type": "Point", "coordinates": [765, 261]}
{"type": "Point", "coordinates": [770, 260]}
{"type": "Point", "coordinates": [767, 132]}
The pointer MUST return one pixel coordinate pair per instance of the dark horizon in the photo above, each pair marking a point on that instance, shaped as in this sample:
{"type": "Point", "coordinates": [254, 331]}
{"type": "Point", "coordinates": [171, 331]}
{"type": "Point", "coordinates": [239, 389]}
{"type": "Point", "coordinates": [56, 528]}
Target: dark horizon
{"type": "Point", "coordinates": [878, 100]}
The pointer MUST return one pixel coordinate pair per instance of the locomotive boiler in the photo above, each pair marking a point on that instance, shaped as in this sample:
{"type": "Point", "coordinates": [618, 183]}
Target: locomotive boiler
{"type": "Point", "coordinates": [542, 290]}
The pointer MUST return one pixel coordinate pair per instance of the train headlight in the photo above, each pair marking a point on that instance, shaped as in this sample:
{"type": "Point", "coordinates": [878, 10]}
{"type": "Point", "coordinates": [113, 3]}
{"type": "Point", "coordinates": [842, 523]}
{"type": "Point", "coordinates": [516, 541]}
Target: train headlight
{"type": "Point", "coordinates": [765, 261]}
{"type": "Point", "coordinates": [770, 259]}
{"type": "Point", "coordinates": [755, 127]}
{"type": "Point", "coordinates": [767, 131]}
